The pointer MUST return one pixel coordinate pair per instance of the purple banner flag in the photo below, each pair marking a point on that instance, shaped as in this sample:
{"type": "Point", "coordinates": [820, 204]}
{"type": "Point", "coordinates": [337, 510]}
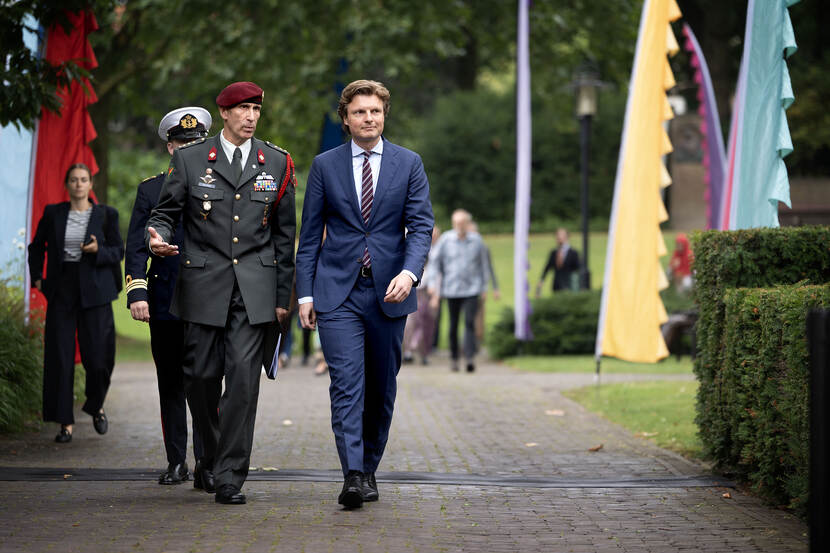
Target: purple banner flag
{"type": "Point", "coordinates": [523, 135]}
{"type": "Point", "coordinates": [714, 154]}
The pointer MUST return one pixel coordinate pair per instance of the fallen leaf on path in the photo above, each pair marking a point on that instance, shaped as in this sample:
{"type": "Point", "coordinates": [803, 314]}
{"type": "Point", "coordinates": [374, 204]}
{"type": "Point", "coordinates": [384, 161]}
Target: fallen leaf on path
{"type": "Point", "coordinates": [555, 412]}
{"type": "Point", "coordinates": [595, 448]}
{"type": "Point", "coordinates": [727, 495]}
{"type": "Point", "coordinates": [270, 468]}
{"type": "Point", "coordinates": [287, 422]}
{"type": "Point", "coordinates": [67, 476]}
{"type": "Point", "coordinates": [531, 444]}
{"type": "Point", "coordinates": [645, 434]}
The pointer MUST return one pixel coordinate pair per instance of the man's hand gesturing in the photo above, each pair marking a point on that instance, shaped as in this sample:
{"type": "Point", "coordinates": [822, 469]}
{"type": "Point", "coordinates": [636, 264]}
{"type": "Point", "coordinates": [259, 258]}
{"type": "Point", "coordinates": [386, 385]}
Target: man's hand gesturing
{"type": "Point", "coordinates": [159, 247]}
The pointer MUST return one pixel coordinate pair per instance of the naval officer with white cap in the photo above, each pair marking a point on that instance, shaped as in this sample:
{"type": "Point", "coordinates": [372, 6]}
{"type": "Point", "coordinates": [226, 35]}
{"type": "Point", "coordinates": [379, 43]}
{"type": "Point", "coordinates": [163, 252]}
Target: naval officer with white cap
{"type": "Point", "coordinates": [149, 294]}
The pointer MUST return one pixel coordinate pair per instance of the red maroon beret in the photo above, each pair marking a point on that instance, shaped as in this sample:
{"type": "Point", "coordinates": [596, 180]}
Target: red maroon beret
{"type": "Point", "coordinates": [236, 93]}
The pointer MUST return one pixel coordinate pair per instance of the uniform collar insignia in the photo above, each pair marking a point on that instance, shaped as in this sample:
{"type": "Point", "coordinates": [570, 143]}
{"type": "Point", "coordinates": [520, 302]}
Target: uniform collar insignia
{"type": "Point", "coordinates": [260, 156]}
{"type": "Point", "coordinates": [212, 154]}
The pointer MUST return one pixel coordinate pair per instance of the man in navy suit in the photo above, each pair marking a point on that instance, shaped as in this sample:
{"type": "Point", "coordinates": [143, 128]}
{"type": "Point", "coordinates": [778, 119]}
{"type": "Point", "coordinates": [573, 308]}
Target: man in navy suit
{"type": "Point", "coordinates": [354, 281]}
{"type": "Point", "coordinates": [149, 294]}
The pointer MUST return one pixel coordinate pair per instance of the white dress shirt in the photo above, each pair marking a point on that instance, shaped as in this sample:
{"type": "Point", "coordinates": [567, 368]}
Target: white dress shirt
{"type": "Point", "coordinates": [357, 167]}
{"type": "Point", "coordinates": [228, 147]}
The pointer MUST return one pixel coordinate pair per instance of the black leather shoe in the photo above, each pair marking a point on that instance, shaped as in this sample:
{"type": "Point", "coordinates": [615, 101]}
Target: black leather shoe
{"type": "Point", "coordinates": [99, 421]}
{"type": "Point", "coordinates": [175, 474]}
{"type": "Point", "coordinates": [203, 478]}
{"type": "Point", "coordinates": [370, 487]}
{"type": "Point", "coordinates": [352, 495]}
{"type": "Point", "coordinates": [230, 495]}
{"type": "Point", "coordinates": [64, 436]}
{"type": "Point", "coordinates": [470, 367]}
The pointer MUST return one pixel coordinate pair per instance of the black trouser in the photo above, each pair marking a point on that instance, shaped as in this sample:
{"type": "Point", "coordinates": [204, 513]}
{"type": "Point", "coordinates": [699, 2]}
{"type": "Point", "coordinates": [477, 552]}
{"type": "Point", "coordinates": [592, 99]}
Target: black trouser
{"type": "Point", "coordinates": [96, 341]}
{"type": "Point", "coordinates": [470, 307]}
{"type": "Point", "coordinates": [167, 344]}
{"type": "Point", "coordinates": [225, 425]}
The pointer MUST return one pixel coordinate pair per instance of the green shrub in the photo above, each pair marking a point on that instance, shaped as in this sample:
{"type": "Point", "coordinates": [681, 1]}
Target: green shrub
{"type": "Point", "coordinates": [764, 384]}
{"type": "Point", "coordinates": [563, 324]}
{"type": "Point", "coordinates": [21, 361]}
{"type": "Point", "coordinates": [754, 258]}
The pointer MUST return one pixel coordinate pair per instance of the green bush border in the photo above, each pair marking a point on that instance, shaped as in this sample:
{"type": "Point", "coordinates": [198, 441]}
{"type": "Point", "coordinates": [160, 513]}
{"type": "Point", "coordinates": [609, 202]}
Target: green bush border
{"type": "Point", "coordinates": [21, 361]}
{"type": "Point", "coordinates": [729, 364]}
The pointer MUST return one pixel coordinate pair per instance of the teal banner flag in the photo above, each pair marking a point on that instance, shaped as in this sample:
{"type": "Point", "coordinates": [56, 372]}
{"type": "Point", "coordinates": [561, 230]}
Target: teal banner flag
{"type": "Point", "coordinates": [760, 138]}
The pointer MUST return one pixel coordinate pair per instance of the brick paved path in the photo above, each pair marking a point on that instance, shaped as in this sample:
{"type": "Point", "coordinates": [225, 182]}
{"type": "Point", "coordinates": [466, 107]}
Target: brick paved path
{"type": "Point", "coordinates": [460, 474]}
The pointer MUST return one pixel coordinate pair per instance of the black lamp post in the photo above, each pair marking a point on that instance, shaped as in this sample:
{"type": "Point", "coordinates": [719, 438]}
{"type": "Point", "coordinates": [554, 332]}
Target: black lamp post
{"type": "Point", "coordinates": [585, 84]}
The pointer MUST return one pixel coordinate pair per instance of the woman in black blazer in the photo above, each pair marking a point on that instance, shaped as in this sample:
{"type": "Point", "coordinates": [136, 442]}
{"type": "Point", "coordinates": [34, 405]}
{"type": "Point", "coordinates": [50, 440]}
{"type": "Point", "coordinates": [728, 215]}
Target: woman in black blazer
{"type": "Point", "coordinates": [84, 250]}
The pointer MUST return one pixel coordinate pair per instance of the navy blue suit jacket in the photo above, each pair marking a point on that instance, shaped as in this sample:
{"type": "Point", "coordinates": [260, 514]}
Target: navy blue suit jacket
{"type": "Point", "coordinates": [398, 233]}
{"type": "Point", "coordinates": [160, 280]}
{"type": "Point", "coordinates": [100, 272]}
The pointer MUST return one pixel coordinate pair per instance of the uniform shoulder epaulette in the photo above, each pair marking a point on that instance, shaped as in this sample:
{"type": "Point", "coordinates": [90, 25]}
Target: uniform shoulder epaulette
{"type": "Point", "coordinates": [151, 177]}
{"type": "Point", "coordinates": [277, 148]}
{"type": "Point", "coordinates": [191, 143]}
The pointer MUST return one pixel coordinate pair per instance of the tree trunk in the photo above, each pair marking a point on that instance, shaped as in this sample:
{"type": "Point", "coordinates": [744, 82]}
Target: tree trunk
{"type": "Point", "coordinates": [100, 113]}
{"type": "Point", "coordinates": [467, 65]}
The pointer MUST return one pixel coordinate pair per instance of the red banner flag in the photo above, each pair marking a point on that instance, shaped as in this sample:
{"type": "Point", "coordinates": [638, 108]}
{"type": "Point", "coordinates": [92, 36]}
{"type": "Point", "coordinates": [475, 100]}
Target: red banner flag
{"type": "Point", "coordinates": [63, 138]}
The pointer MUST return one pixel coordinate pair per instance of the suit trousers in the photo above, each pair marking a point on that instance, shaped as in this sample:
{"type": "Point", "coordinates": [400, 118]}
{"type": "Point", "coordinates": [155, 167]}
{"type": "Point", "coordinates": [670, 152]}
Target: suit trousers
{"type": "Point", "coordinates": [225, 424]}
{"type": "Point", "coordinates": [96, 341]}
{"type": "Point", "coordinates": [167, 345]}
{"type": "Point", "coordinates": [362, 347]}
{"type": "Point", "coordinates": [469, 306]}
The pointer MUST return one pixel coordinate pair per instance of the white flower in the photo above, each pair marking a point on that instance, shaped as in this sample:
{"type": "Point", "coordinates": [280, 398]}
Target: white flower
{"type": "Point", "coordinates": [21, 231]}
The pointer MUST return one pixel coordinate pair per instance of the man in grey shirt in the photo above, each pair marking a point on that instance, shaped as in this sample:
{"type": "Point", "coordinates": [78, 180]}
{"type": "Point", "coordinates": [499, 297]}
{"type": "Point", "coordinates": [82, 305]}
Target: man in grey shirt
{"type": "Point", "coordinates": [461, 263]}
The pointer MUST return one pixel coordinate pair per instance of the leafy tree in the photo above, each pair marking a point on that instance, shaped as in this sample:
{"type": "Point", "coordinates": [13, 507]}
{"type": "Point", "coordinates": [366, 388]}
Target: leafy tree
{"type": "Point", "coordinates": [30, 82]}
{"type": "Point", "coordinates": [155, 55]}
{"type": "Point", "coordinates": [468, 144]}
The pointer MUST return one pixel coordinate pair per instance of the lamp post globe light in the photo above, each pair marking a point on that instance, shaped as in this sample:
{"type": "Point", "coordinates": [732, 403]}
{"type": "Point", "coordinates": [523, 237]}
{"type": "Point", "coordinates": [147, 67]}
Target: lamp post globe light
{"type": "Point", "coordinates": [586, 84]}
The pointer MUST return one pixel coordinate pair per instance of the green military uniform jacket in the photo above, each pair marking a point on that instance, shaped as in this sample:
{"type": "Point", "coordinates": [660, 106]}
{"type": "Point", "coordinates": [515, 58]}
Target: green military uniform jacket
{"type": "Point", "coordinates": [232, 231]}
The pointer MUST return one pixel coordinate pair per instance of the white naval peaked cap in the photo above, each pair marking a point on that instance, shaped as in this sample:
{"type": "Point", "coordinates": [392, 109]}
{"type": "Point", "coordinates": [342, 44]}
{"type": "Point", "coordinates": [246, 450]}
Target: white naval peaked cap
{"type": "Point", "coordinates": [188, 123]}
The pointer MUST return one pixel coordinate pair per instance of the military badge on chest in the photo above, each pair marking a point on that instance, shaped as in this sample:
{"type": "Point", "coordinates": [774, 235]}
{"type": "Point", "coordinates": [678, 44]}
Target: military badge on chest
{"type": "Point", "coordinates": [265, 183]}
{"type": "Point", "coordinates": [206, 181]}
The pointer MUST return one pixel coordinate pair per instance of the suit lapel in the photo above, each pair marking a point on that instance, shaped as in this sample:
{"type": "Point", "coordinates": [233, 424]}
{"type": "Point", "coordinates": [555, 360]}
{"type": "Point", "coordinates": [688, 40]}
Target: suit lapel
{"type": "Point", "coordinates": [221, 165]}
{"type": "Point", "coordinates": [95, 222]}
{"type": "Point", "coordinates": [60, 223]}
{"type": "Point", "coordinates": [348, 181]}
{"type": "Point", "coordinates": [388, 167]}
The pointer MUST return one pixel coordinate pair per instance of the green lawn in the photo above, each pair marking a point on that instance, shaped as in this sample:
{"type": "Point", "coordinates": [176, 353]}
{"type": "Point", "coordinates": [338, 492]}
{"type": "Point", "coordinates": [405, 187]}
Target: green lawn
{"type": "Point", "coordinates": [132, 337]}
{"type": "Point", "coordinates": [661, 411]}
{"type": "Point", "coordinates": [587, 364]}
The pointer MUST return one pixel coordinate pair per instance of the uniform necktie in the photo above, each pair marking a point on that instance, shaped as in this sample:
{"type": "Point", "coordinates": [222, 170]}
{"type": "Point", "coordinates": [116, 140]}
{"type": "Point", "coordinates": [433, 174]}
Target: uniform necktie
{"type": "Point", "coordinates": [237, 165]}
{"type": "Point", "coordinates": [366, 197]}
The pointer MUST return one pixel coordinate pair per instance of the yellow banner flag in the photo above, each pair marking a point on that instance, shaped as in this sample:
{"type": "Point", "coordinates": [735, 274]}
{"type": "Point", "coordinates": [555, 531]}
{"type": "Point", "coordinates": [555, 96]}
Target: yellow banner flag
{"type": "Point", "coordinates": [632, 311]}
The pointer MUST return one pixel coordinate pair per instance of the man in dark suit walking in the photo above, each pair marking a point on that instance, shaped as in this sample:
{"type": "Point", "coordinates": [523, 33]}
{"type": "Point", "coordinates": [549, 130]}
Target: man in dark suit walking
{"type": "Point", "coordinates": [564, 262]}
{"type": "Point", "coordinates": [149, 294]}
{"type": "Point", "coordinates": [372, 197]}
{"type": "Point", "coordinates": [234, 195]}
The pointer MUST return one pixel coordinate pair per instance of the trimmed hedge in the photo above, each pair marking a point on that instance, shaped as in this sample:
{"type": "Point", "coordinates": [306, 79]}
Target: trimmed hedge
{"type": "Point", "coordinates": [764, 385]}
{"type": "Point", "coordinates": [563, 324]}
{"type": "Point", "coordinates": [754, 258]}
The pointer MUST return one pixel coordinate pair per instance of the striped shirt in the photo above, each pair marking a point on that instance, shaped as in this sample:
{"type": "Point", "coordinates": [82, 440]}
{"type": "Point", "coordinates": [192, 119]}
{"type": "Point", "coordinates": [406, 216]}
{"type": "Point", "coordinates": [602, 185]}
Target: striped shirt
{"type": "Point", "coordinates": [76, 223]}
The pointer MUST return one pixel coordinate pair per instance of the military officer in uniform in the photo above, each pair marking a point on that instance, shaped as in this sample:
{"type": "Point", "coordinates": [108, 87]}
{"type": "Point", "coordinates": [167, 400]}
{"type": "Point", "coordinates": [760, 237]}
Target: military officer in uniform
{"type": "Point", "coordinates": [149, 294]}
{"type": "Point", "coordinates": [234, 195]}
